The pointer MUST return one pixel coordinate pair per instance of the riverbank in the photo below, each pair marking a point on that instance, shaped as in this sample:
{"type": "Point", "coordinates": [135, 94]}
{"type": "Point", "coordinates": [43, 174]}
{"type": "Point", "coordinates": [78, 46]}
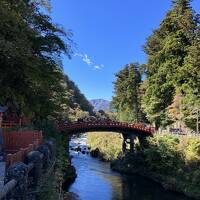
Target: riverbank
{"type": "Point", "coordinates": [171, 161]}
{"type": "Point", "coordinates": [96, 177]}
{"type": "Point", "coordinates": [105, 145]}
{"type": "Point", "coordinates": [54, 185]}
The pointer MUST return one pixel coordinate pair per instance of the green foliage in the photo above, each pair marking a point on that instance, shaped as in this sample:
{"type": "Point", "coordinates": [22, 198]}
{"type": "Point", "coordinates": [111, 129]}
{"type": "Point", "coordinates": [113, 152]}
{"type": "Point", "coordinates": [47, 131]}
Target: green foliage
{"type": "Point", "coordinates": [127, 94]}
{"type": "Point", "coordinates": [163, 155]}
{"type": "Point", "coordinates": [170, 160]}
{"type": "Point", "coordinates": [109, 144]}
{"type": "Point", "coordinates": [192, 150]}
{"type": "Point", "coordinates": [30, 48]}
{"type": "Point", "coordinates": [111, 115]}
{"type": "Point", "coordinates": [173, 66]}
{"type": "Point", "coordinates": [79, 106]}
{"type": "Point", "coordinates": [31, 75]}
{"type": "Point", "coordinates": [173, 161]}
{"type": "Point", "coordinates": [52, 189]}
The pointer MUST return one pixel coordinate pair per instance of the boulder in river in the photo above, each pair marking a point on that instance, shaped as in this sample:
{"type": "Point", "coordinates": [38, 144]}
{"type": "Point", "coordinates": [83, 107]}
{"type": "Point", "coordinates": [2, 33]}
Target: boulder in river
{"type": "Point", "coordinates": [95, 153]}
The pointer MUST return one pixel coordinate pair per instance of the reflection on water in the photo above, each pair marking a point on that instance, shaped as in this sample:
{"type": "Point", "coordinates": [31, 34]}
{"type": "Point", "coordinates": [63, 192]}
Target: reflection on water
{"type": "Point", "coordinates": [96, 181]}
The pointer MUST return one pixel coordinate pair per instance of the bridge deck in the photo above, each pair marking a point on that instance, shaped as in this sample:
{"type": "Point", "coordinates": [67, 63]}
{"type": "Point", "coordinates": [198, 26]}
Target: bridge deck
{"type": "Point", "coordinates": [107, 126]}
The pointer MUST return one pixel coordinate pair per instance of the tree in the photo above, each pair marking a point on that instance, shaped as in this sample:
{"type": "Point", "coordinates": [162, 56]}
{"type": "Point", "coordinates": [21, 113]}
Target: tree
{"type": "Point", "coordinates": [167, 48]}
{"type": "Point", "coordinates": [31, 74]}
{"type": "Point", "coordinates": [76, 98]}
{"type": "Point", "coordinates": [127, 94]}
{"type": "Point", "coordinates": [120, 86]}
{"type": "Point", "coordinates": [191, 86]}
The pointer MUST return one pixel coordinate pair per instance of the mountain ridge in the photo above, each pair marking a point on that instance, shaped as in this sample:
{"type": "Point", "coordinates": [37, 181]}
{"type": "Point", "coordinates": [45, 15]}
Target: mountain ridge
{"type": "Point", "coordinates": [100, 104]}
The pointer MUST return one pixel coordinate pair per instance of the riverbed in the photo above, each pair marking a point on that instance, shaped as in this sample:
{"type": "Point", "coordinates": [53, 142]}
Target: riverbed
{"type": "Point", "coordinates": [96, 181]}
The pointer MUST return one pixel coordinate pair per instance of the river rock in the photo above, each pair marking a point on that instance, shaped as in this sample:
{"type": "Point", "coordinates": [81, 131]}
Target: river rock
{"type": "Point", "coordinates": [95, 153]}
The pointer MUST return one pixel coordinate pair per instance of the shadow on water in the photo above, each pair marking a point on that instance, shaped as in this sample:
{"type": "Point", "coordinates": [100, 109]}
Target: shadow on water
{"type": "Point", "coordinates": [96, 181]}
{"type": "Point", "coordinates": [139, 188]}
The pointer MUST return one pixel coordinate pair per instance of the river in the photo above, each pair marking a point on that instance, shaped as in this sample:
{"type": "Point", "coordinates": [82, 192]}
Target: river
{"type": "Point", "coordinates": [96, 181]}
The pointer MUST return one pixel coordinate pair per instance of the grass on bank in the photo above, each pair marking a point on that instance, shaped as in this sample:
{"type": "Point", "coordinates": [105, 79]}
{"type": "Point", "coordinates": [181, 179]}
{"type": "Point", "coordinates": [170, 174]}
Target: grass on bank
{"type": "Point", "coordinates": [108, 143]}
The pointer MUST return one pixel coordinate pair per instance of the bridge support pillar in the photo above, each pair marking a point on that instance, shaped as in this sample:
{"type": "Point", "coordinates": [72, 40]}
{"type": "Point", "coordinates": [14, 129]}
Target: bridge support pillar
{"type": "Point", "coordinates": [142, 141]}
{"type": "Point", "coordinates": [132, 143]}
{"type": "Point", "coordinates": [128, 139]}
{"type": "Point", "coordinates": [124, 143]}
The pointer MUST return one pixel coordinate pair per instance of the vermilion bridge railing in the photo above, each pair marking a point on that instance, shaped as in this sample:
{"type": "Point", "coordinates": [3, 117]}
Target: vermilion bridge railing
{"type": "Point", "coordinates": [72, 127]}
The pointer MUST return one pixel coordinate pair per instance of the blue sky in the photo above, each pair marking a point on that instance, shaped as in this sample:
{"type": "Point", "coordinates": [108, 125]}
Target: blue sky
{"type": "Point", "coordinates": [108, 34]}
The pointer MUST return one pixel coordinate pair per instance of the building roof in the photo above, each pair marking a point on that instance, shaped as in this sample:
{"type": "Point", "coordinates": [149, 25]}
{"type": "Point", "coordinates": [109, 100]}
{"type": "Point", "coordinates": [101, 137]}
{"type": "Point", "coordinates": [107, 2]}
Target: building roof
{"type": "Point", "coordinates": [3, 109]}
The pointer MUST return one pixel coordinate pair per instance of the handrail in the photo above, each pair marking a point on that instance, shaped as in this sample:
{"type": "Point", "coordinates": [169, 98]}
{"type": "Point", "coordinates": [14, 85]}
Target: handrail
{"type": "Point", "coordinates": [105, 124]}
{"type": "Point", "coordinates": [20, 143]}
{"type": "Point", "coordinates": [35, 157]}
{"type": "Point", "coordinates": [7, 188]}
{"type": "Point", "coordinates": [12, 183]}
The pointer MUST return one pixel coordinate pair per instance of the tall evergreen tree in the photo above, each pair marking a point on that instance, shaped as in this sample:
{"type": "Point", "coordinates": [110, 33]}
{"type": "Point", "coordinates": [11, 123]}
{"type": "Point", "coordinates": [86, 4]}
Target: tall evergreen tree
{"type": "Point", "coordinates": [120, 87]}
{"type": "Point", "coordinates": [190, 73]}
{"type": "Point", "coordinates": [127, 94]}
{"type": "Point", "coordinates": [167, 49]}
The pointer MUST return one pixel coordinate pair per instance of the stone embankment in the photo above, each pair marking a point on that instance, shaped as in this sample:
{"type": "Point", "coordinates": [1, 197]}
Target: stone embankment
{"type": "Point", "coordinates": [22, 178]}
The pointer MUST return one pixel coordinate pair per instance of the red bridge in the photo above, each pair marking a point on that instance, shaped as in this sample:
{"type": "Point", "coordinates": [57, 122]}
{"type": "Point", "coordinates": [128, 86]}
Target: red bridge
{"type": "Point", "coordinates": [106, 125]}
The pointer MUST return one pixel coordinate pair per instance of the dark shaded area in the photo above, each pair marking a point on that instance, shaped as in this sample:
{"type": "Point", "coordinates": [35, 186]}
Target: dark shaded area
{"type": "Point", "coordinates": [140, 188]}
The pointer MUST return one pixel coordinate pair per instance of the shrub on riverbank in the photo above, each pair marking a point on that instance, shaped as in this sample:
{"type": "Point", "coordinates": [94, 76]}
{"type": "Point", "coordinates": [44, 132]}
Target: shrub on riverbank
{"type": "Point", "coordinates": [64, 173]}
{"type": "Point", "coordinates": [109, 144]}
{"type": "Point", "coordinates": [172, 161]}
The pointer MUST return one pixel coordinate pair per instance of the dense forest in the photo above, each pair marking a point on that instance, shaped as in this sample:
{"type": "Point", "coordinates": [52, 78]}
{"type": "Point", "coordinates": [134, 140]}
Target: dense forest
{"type": "Point", "coordinates": [163, 91]}
{"type": "Point", "coordinates": [166, 89]}
{"type": "Point", "coordinates": [31, 74]}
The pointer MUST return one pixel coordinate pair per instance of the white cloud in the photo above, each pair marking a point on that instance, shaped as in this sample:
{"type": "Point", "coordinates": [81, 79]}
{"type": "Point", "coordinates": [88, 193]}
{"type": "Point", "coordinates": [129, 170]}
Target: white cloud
{"type": "Point", "coordinates": [85, 58]}
{"type": "Point", "coordinates": [97, 67]}
{"type": "Point", "coordinates": [78, 54]}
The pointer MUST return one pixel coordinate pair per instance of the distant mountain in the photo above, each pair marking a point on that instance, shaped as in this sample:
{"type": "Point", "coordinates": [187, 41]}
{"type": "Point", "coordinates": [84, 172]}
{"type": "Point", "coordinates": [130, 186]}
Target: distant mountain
{"type": "Point", "coordinates": [100, 104]}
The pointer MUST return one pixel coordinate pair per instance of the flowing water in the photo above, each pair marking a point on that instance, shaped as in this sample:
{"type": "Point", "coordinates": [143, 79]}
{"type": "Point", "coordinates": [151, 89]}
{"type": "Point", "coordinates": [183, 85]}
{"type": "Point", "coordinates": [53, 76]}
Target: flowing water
{"type": "Point", "coordinates": [96, 181]}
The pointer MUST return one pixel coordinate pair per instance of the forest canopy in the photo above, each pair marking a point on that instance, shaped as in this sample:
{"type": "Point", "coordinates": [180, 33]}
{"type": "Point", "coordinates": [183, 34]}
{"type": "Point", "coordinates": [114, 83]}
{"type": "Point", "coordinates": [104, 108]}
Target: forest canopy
{"type": "Point", "coordinates": [169, 91]}
{"type": "Point", "coordinates": [31, 74]}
